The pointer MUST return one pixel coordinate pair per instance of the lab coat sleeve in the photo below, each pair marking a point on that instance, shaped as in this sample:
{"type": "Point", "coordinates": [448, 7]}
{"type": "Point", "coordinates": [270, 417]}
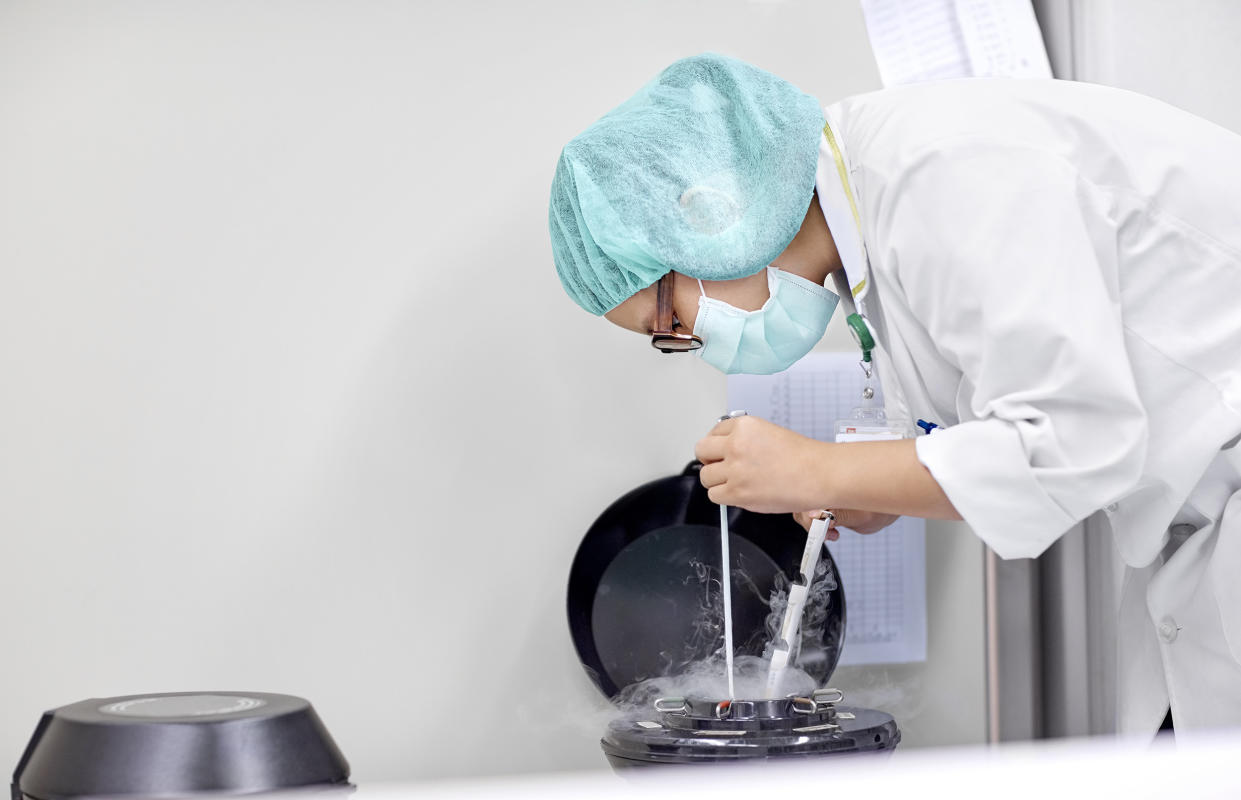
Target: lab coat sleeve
{"type": "Point", "coordinates": [1009, 260]}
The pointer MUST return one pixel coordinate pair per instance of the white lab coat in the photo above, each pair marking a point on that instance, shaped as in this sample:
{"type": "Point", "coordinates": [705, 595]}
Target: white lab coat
{"type": "Point", "coordinates": [1053, 271]}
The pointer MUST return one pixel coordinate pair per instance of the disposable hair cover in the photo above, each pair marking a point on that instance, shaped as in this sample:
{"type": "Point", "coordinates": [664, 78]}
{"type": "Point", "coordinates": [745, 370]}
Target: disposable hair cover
{"type": "Point", "coordinates": [708, 170]}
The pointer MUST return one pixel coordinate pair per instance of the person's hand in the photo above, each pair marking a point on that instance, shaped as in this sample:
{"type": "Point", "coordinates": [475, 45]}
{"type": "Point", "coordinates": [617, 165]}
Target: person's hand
{"type": "Point", "coordinates": [860, 521]}
{"type": "Point", "coordinates": [753, 464]}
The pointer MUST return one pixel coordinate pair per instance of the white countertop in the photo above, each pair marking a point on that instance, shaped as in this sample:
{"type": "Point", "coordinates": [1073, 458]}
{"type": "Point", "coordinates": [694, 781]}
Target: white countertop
{"type": "Point", "coordinates": [1209, 767]}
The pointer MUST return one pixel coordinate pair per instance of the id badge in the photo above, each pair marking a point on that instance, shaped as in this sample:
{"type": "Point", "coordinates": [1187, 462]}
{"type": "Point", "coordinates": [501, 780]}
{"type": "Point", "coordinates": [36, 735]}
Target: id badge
{"type": "Point", "coordinates": [869, 422]}
{"type": "Point", "coordinates": [871, 425]}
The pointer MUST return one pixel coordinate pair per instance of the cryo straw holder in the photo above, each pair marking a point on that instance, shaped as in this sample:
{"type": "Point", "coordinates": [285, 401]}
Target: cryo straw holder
{"type": "Point", "coordinates": [782, 648]}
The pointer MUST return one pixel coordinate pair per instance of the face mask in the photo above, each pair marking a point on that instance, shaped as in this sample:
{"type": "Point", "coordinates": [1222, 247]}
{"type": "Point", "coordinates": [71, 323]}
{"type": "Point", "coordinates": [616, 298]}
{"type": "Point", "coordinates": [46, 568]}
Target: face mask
{"type": "Point", "coordinates": [768, 340]}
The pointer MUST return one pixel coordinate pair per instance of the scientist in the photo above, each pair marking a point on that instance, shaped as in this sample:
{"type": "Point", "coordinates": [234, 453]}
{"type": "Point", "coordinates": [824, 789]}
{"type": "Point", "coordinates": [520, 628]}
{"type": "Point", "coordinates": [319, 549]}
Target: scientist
{"type": "Point", "coordinates": [1050, 272]}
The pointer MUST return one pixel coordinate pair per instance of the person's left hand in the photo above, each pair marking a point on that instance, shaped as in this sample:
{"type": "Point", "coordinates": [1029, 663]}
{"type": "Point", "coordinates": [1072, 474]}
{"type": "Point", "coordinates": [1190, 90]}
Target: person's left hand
{"type": "Point", "coordinates": [753, 464]}
{"type": "Point", "coordinates": [853, 519]}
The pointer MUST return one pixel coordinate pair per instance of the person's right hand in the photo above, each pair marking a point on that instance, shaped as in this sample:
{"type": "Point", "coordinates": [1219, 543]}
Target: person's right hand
{"type": "Point", "coordinates": [860, 521]}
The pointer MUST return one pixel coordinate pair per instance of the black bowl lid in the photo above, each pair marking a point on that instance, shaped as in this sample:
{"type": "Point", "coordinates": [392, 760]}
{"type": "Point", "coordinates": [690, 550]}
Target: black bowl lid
{"type": "Point", "coordinates": [638, 594]}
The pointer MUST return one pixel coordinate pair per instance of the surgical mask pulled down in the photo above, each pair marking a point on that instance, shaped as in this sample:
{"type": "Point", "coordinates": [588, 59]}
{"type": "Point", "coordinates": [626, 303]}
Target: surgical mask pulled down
{"type": "Point", "coordinates": [770, 339]}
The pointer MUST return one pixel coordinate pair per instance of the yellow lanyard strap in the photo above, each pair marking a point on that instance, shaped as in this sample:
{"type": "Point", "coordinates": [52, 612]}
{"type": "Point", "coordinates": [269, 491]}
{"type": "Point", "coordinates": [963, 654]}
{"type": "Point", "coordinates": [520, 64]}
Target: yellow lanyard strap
{"type": "Point", "coordinates": [843, 172]}
{"type": "Point", "coordinates": [856, 324]}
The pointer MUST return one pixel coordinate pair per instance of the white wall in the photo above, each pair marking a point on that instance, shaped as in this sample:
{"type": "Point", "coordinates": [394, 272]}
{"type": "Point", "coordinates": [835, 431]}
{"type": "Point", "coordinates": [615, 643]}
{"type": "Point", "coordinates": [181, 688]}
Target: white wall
{"type": "Point", "coordinates": [290, 396]}
{"type": "Point", "coordinates": [1184, 53]}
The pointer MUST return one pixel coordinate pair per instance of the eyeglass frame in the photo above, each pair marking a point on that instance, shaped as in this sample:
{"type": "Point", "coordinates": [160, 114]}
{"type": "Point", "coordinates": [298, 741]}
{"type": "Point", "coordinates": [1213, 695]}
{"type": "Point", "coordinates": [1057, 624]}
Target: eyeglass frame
{"type": "Point", "coordinates": [664, 332]}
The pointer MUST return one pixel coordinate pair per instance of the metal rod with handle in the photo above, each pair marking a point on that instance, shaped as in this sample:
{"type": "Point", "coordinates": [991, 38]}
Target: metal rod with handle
{"type": "Point", "coordinates": [726, 583]}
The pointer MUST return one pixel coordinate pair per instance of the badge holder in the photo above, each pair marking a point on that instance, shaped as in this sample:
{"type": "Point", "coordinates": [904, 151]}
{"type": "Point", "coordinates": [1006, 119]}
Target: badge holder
{"type": "Point", "coordinates": [867, 422]}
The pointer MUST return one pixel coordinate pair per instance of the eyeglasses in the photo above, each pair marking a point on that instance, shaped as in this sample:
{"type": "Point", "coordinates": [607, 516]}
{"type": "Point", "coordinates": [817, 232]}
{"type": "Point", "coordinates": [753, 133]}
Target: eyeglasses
{"type": "Point", "coordinates": [664, 337]}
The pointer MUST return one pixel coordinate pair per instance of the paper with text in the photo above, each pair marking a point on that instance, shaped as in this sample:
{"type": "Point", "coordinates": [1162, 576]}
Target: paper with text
{"type": "Point", "coordinates": [924, 40]}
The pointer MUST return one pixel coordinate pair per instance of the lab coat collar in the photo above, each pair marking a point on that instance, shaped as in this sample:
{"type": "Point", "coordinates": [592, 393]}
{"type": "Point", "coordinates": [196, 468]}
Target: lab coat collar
{"type": "Point", "coordinates": [837, 212]}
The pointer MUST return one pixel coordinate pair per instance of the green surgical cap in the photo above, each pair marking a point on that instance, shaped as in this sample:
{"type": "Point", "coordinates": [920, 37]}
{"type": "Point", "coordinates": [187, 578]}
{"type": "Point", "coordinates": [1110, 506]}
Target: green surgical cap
{"type": "Point", "coordinates": [708, 170]}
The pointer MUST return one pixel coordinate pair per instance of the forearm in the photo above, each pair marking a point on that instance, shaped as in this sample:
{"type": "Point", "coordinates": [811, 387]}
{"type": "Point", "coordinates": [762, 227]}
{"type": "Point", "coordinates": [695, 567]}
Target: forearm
{"type": "Point", "coordinates": [884, 477]}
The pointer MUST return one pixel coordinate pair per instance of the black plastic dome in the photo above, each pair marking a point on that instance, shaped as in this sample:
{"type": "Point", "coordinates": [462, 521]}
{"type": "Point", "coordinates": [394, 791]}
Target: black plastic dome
{"type": "Point", "coordinates": [178, 744]}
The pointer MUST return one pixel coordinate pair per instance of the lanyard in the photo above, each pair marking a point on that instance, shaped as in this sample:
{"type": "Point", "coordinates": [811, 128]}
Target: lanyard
{"type": "Point", "coordinates": [855, 321]}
